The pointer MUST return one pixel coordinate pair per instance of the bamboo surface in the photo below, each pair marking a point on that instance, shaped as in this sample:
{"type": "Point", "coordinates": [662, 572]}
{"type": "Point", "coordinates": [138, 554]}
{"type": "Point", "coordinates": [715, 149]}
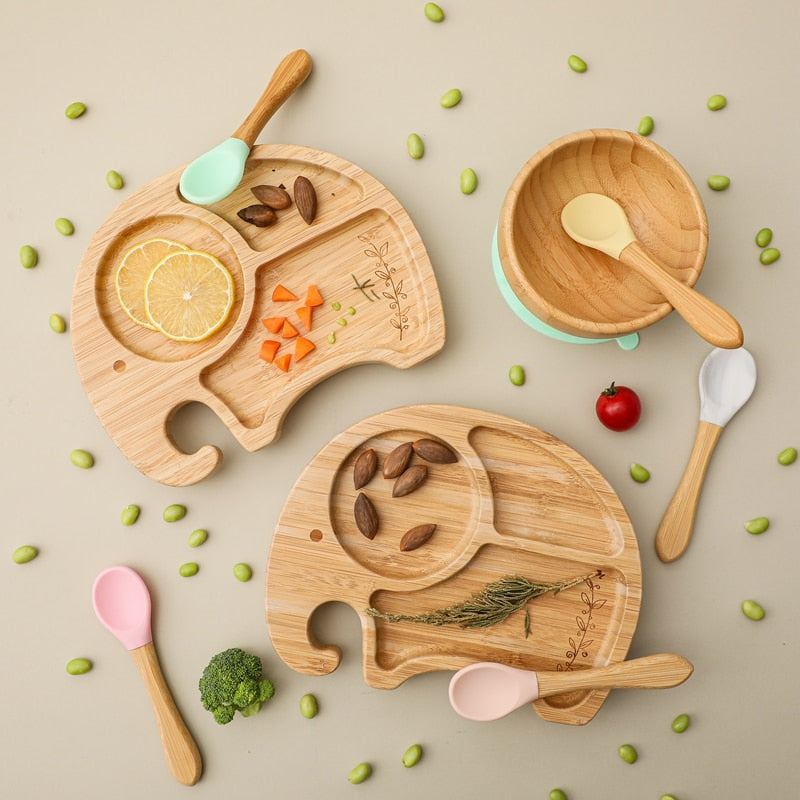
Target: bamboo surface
{"type": "Point", "coordinates": [516, 501]}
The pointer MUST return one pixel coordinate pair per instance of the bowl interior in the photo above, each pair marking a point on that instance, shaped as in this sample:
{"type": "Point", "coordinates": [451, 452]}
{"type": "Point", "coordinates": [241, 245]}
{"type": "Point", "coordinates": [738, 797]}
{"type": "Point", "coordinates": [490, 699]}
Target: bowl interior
{"type": "Point", "coordinates": [575, 288]}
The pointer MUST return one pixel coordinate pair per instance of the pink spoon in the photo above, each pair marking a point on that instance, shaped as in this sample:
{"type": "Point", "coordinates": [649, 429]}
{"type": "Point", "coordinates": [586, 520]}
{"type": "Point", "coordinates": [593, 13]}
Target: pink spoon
{"type": "Point", "coordinates": [488, 691]}
{"type": "Point", "coordinates": [122, 603]}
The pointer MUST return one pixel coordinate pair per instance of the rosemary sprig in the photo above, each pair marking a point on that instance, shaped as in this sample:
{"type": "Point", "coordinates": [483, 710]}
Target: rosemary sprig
{"type": "Point", "coordinates": [496, 602]}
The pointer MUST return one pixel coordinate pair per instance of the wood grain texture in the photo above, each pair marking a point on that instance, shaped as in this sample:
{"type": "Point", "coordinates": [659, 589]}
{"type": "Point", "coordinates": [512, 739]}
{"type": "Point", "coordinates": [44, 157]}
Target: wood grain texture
{"type": "Point", "coordinates": [516, 501]}
{"type": "Point", "coordinates": [582, 291]}
{"type": "Point", "coordinates": [136, 379]}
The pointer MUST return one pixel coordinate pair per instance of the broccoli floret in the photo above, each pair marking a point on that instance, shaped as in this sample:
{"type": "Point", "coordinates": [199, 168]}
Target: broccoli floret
{"type": "Point", "coordinates": [232, 682]}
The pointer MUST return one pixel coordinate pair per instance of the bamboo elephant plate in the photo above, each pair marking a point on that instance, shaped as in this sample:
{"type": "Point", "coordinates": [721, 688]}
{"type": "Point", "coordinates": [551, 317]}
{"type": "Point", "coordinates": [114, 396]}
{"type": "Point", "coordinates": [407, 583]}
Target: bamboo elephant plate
{"type": "Point", "coordinates": [381, 304]}
{"type": "Point", "coordinates": [515, 502]}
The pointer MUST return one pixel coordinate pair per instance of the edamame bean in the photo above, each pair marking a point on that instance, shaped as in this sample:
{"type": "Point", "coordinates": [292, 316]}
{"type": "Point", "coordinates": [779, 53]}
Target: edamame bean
{"type": "Point", "coordinates": [451, 98]}
{"type": "Point", "coordinates": [516, 375]}
{"type": "Point", "coordinates": [309, 706]}
{"type": "Point", "coordinates": [129, 514]}
{"type": "Point", "coordinates": [24, 553]}
{"type": "Point", "coordinates": [433, 12]}
{"type": "Point", "coordinates": [360, 773]}
{"type": "Point", "coordinates": [415, 145]}
{"type": "Point", "coordinates": [114, 179]}
{"type": "Point", "coordinates": [28, 256]}
{"type": "Point", "coordinates": [336, 305]}
{"type": "Point", "coordinates": [64, 226]}
{"type": "Point", "coordinates": [787, 456]}
{"type": "Point", "coordinates": [188, 569]}
{"type": "Point", "coordinates": [639, 473]}
{"type": "Point", "coordinates": [680, 723]}
{"type": "Point", "coordinates": [242, 572]}
{"type": "Point", "coordinates": [764, 237]}
{"type": "Point", "coordinates": [351, 311]}
{"type": "Point", "coordinates": [668, 797]}
{"type": "Point", "coordinates": [198, 537]}
{"type": "Point", "coordinates": [75, 110]}
{"type": "Point", "coordinates": [174, 512]}
{"type": "Point", "coordinates": [78, 666]}
{"type": "Point", "coordinates": [412, 755]}
{"type": "Point", "coordinates": [717, 102]}
{"type": "Point", "coordinates": [82, 459]}
{"type": "Point", "coordinates": [757, 525]}
{"type": "Point", "coordinates": [557, 794]}
{"type": "Point", "coordinates": [331, 338]}
{"type": "Point", "coordinates": [646, 125]}
{"type": "Point", "coordinates": [718, 182]}
{"type": "Point", "coordinates": [577, 64]}
{"type": "Point", "coordinates": [752, 610]}
{"type": "Point", "coordinates": [769, 256]}
{"type": "Point", "coordinates": [469, 181]}
{"type": "Point", "coordinates": [627, 752]}
{"type": "Point", "coordinates": [57, 323]}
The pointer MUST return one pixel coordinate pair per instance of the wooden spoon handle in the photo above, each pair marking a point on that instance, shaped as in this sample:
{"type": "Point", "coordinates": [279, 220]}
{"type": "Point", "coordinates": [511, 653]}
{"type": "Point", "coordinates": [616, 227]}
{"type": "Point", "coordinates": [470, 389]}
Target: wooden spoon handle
{"type": "Point", "coordinates": [180, 750]}
{"type": "Point", "coordinates": [288, 75]}
{"type": "Point", "coordinates": [658, 671]}
{"type": "Point", "coordinates": [709, 320]}
{"type": "Point", "coordinates": [675, 530]}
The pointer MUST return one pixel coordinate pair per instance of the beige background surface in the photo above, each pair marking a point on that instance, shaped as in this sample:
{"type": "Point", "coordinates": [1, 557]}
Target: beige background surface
{"type": "Point", "coordinates": [166, 81]}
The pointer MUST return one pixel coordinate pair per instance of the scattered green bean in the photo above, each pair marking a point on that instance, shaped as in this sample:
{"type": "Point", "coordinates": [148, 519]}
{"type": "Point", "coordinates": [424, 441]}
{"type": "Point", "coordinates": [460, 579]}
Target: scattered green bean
{"type": "Point", "coordinates": [28, 256]}
{"type": "Point", "coordinates": [331, 338]}
{"type": "Point", "coordinates": [198, 537]}
{"type": "Point", "coordinates": [415, 145]}
{"type": "Point", "coordinates": [24, 553]}
{"type": "Point", "coordinates": [717, 102]}
{"type": "Point", "coordinates": [433, 12]}
{"type": "Point", "coordinates": [78, 666]}
{"type": "Point", "coordinates": [718, 182]}
{"type": "Point", "coordinates": [174, 512]}
{"type": "Point", "coordinates": [757, 525]}
{"type": "Point", "coordinates": [65, 226]}
{"type": "Point", "coordinates": [769, 256]}
{"type": "Point", "coordinates": [360, 773]}
{"type": "Point", "coordinates": [764, 237]}
{"type": "Point", "coordinates": [646, 125]}
{"type": "Point", "coordinates": [752, 610]}
{"type": "Point", "coordinates": [469, 181]}
{"type": "Point", "coordinates": [114, 179]}
{"type": "Point", "coordinates": [451, 98]}
{"type": "Point", "coordinates": [627, 752]}
{"type": "Point", "coordinates": [557, 794]}
{"type": "Point", "coordinates": [680, 723]}
{"type": "Point", "coordinates": [577, 64]}
{"type": "Point", "coordinates": [516, 375]}
{"type": "Point", "coordinates": [188, 569]}
{"type": "Point", "coordinates": [82, 459]}
{"type": "Point", "coordinates": [75, 110]}
{"type": "Point", "coordinates": [309, 706]}
{"type": "Point", "coordinates": [639, 473]}
{"type": "Point", "coordinates": [57, 323]}
{"type": "Point", "coordinates": [336, 305]}
{"type": "Point", "coordinates": [129, 514]}
{"type": "Point", "coordinates": [668, 797]}
{"type": "Point", "coordinates": [242, 572]}
{"type": "Point", "coordinates": [787, 456]}
{"type": "Point", "coordinates": [351, 311]}
{"type": "Point", "coordinates": [341, 321]}
{"type": "Point", "coordinates": [412, 755]}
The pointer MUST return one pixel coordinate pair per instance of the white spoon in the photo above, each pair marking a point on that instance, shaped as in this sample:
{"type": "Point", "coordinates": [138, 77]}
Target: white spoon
{"type": "Point", "coordinates": [727, 379]}
{"type": "Point", "coordinates": [487, 691]}
{"type": "Point", "coordinates": [598, 221]}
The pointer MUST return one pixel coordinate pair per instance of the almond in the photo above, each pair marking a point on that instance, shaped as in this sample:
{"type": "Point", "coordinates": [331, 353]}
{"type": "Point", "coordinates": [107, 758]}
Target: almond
{"type": "Point", "coordinates": [364, 468]}
{"type": "Point", "coordinates": [259, 215]}
{"type": "Point", "coordinates": [435, 452]}
{"type": "Point", "coordinates": [416, 537]}
{"type": "Point", "coordinates": [305, 198]}
{"type": "Point", "coordinates": [410, 480]}
{"type": "Point", "coordinates": [397, 460]}
{"type": "Point", "coordinates": [273, 196]}
{"type": "Point", "coordinates": [365, 515]}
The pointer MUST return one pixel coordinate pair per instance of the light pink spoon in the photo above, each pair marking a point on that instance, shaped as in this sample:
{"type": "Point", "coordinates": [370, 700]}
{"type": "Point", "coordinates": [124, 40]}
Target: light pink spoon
{"type": "Point", "coordinates": [121, 601]}
{"type": "Point", "coordinates": [486, 691]}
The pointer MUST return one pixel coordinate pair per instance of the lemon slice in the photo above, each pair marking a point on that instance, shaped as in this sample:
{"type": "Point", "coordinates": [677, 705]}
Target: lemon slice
{"type": "Point", "coordinates": [188, 295]}
{"type": "Point", "coordinates": [133, 272]}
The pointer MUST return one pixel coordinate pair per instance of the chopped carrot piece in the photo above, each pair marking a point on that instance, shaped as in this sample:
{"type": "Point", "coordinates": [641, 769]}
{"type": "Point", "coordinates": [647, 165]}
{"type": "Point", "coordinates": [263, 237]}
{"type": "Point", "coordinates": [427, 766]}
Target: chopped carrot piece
{"type": "Point", "coordinates": [313, 297]}
{"type": "Point", "coordinates": [281, 293]}
{"type": "Point", "coordinates": [268, 349]}
{"type": "Point", "coordinates": [305, 315]}
{"type": "Point", "coordinates": [288, 330]}
{"type": "Point", "coordinates": [274, 324]}
{"type": "Point", "coordinates": [282, 362]}
{"type": "Point", "coordinates": [302, 347]}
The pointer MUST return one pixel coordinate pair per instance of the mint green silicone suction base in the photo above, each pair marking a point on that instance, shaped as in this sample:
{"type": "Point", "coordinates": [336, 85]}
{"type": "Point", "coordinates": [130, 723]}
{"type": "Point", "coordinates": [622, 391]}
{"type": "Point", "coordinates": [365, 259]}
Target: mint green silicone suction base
{"type": "Point", "coordinates": [627, 342]}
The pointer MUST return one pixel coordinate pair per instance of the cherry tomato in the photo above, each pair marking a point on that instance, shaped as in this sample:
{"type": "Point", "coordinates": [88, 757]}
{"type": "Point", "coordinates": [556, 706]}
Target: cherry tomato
{"type": "Point", "coordinates": [618, 408]}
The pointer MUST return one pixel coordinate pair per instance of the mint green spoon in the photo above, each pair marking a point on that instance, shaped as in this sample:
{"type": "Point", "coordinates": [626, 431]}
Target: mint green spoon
{"type": "Point", "coordinates": [214, 175]}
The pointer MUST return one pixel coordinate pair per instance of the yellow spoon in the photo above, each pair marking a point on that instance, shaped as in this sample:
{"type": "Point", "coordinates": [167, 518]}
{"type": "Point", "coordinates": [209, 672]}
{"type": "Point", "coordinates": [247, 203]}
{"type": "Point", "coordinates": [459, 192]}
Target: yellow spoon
{"type": "Point", "coordinates": [598, 221]}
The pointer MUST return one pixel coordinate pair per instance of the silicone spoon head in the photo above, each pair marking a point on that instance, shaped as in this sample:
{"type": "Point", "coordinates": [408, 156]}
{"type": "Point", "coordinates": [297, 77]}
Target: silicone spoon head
{"type": "Point", "coordinates": [487, 691]}
{"type": "Point", "coordinates": [727, 379]}
{"type": "Point", "coordinates": [121, 601]}
{"type": "Point", "coordinates": [214, 175]}
{"type": "Point", "coordinates": [597, 221]}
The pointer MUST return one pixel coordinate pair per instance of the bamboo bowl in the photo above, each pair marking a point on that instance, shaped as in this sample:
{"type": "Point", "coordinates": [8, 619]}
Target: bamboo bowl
{"type": "Point", "coordinates": [578, 290]}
